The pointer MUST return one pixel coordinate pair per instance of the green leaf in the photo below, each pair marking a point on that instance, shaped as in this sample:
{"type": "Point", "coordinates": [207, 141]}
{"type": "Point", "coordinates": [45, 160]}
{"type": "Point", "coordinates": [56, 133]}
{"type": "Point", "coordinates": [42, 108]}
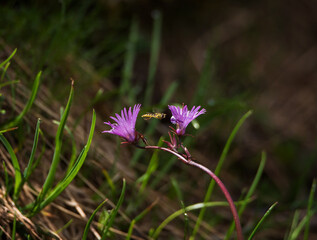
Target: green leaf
{"type": "Point", "coordinates": [217, 171]}
{"type": "Point", "coordinates": [6, 178]}
{"type": "Point", "coordinates": [188, 209]}
{"type": "Point", "coordinates": [129, 59]}
{"type": "Point", "coordinates": [60, 187]}
{"type": "Point", "coordinates": [155, 48]}
{"type": "Point", "coordinates": [58, 145]}
{"type": "Point", "coordinates": [309, 208]}
{"type": "Point", "coordinates": [261, 221]}
{"type": "Point", "coordinates": [14, 227]}
{"type": "Point", "coordinates": [114, 212]}
{"type": "Point", "coordinates": [151, 168]}
{"type": "Point", "coordinates": [8, 83]}
{"type": "Point", "coordinates": [16, 165]}
{"type": "Point", "coordinates": [8, 59]}
{"type": "Point", "coordinates": [250, 192]}
{"type": "Point", "coordinates": [28, 170]}
{"type": "Point", "coordinates": [17, 120]}
{"type": "Point", "coordinates": [85, 234]}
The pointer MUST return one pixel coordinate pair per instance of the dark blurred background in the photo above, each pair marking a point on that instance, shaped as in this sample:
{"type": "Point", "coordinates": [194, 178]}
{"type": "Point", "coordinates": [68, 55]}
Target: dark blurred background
{"type": "Point", "coordinates": [259, 55]}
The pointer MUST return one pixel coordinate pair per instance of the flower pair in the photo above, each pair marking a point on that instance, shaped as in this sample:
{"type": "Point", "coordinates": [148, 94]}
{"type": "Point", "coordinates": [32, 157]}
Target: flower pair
{"type": "Point", "coordinates": [125, 124]}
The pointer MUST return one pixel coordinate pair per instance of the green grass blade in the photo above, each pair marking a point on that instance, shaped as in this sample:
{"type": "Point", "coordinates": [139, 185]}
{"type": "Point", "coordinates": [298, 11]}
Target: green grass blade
{"type": "Point", "coordinates": [4, 71]}
{"type": "Point", "coordinates": [130, 230]}
{"type": "Point", "coordinates": [58, 145]}
{"type": "Point", "coordinates": [155, 48]}
{"type": "Point", "coordinates": [217, 171]}
{"type": "Point", "coordinates": [29, 168]}
{"type": "Point", "coordinates": [16, 165]}
{"type": "Point", "coordinates": [109, 180]}
{"type": "Point", "coordinates": [60, 187]}
{"type": "Point", "coordinates": [204, 81]}
{"type": "Point", "coordinates": [8, 130]}
{"type": "Point", "coordinates": [114, 212]}
{"type": "Point", "coordinates": [139, 217]}
{"type": "Point", "coordinates": [151, 168]}
{"type": "Point", "coordinates": [65, 226]}
{"type": "Point", "coordinates": [28, 105]}
{"type": "Point", "coordinates": [37, 161]}
{"type": "Point", "coordinates": [250, 192]}
{"type": "Point", "coordinates": [127, 71]}
{"type": "Point", "coordinates": [14, 227]}
{"type": "Point", "coordinates": [169, 93]}
{"type": "Point", "coordinates": [6, 178]}
{"type": "Point", "coordinates": [179, 195]}
{"type": "Point", "coordinates": [85, 234]}
{"type": "Point", "coordinates": [293, 225]}
{"type": "Point", "coordinates": [261, 221]}
{"type": "Point", "coordinates": [309, 208]}
{"type": "Point", "coordinates": [74, 148]}
{"type": "Point", "coordinates": [8, 59]}
{"type": "Point", "coordinates": [8, 83]}
{"type": "Point", "coordinates": [177, 189]}
{"type": "Point", "coordinates": [296, 227]}
{"type": "Point", "coordinates": [188, 209]}
{"type": "Point", "coordinates": [145, 211]}
{"type": "Point", "coordinates": [297, 230]}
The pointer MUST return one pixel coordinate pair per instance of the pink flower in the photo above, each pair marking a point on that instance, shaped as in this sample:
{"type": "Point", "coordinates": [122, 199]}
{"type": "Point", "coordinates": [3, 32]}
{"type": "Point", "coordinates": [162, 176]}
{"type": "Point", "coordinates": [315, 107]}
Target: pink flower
{"type": "Point", "coordinates": [181, 116]}
{"type": "Point", "coordinates": [125, 124]}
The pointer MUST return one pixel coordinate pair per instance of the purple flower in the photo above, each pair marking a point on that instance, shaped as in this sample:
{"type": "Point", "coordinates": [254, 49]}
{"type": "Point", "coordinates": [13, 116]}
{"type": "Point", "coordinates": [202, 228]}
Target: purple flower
{"type": "Point", "coordinates": [125, 124]}
{"type": "Point", "coordinates": [182, 117]}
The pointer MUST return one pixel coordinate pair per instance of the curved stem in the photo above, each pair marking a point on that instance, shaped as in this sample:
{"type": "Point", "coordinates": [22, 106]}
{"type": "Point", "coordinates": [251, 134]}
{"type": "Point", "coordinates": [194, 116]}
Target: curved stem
{"type": "Point", "coordinates": [214, 177]}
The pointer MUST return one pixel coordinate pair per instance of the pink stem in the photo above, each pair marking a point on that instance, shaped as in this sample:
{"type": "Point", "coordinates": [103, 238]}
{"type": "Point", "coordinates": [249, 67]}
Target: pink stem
{"type": "Point", "coordinates": [217, 180]}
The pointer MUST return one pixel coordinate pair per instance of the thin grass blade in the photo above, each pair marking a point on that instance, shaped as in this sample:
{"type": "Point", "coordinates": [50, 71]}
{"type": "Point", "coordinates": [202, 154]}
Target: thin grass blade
{"type": "Point", "coordinates": [108, 179]}
{"type": "Point", "coordinates": [4, 71]}
{"type": "Point", "coordinates": [250, 192]}
{"type": "Point", "coordinates": [8, 130]}
{"type": "Point", "coordinates": [6, 178]}
{"type": "Point", "coordinates": [309, 208]}
{"type": "Point", "coordinates": [139, 217]}
{"type": "Point", "coordinates": [58, 144]}
{"type": "Point", "coordinates": [205, 79]}
{"type": "Point", "coordinates": [85, 234]}
{"type": "Point", "coordinates": [29, 168]}
{"type": "Point", "coordinates": [155, 48]}
{"type": "Point", "coordinates": [127, 71]}
{"type": "Point", "coordinates": [60, 187]}
{"type": "Point", "coordinates": [188, 209]}
{"type": "Point", "coordinates": [130, 229]}
{"type": "Point", "coordinates": [217, 171]}
{"type": "Point", "coordinates": [261, 221]}
{"type": "Point", "coordinates": [177, 189]}
{"type": "Point", "coordinates": [179, 195]}
{"type": "Point", "coordinates": [293, 225]}
{"type": "Point", "coordinates": [74, 148]}
{"type": "Point", "coordinates": [151, 168]}
{"type": "Point", "coordinates": [17, 172]}
{"type": "Point", "coordinates": [14, 225]}
{"type": "Point", "coordinates": [58, 231]}
{"type": "Point", "coordinates": [8, 59]}
{"type": "Point", "coordinates": [8, 83]}
{"type": "Point", "coordinates": [16, 121]}
{"type": "Point", "coordinates": [297, 230]}
{"type": "Point", "coordinates": [114, 212]}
